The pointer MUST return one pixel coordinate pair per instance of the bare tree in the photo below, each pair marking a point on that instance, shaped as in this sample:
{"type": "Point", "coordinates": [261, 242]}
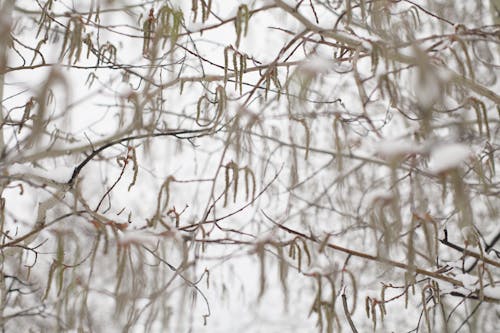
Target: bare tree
{"type": "Point", "coordinates": [245, 165]}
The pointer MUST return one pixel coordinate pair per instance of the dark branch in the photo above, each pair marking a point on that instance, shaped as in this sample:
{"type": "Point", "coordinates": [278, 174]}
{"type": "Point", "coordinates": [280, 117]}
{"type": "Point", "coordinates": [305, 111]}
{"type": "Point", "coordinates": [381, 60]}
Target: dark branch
{"type": "Point", "coordinates": [177, 133]}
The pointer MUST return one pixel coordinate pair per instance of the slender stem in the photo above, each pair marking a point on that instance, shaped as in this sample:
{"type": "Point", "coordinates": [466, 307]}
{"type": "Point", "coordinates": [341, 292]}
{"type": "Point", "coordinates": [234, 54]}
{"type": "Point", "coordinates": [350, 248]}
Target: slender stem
{"type": "Point", "coordinates": [435, 275]}
{"type": "Point", "coordinates": [5, 17]}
